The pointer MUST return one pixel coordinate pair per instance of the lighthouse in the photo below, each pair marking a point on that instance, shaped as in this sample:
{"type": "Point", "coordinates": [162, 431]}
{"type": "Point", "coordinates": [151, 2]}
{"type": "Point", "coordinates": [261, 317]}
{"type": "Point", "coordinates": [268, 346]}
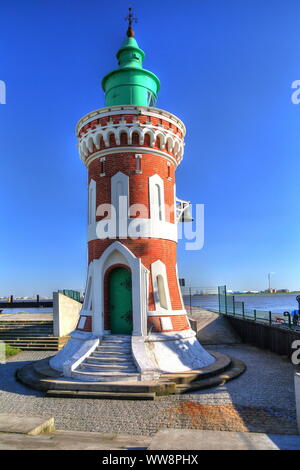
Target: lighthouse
{"type": "Point", "coordinates": [133, 324]}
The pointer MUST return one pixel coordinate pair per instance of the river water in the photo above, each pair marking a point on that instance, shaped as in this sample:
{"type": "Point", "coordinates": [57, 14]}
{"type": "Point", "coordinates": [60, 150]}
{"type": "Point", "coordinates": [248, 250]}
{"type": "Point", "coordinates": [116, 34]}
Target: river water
{"type": "Point", "coordinates": [27, 310]}
{"type": "Point", "coordinates": [276, 303]}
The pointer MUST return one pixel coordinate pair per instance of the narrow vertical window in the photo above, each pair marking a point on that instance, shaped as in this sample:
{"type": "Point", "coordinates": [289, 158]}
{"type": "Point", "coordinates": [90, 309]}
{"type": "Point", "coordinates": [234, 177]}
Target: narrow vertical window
{"type": "Point", "coordinates": [169, 170]}
{"type": "Point", "coordinates": [157, 193]}
{"type": "Point", "coordinates": [102, 166]}
{"type": "Point", "coordinates": [157, 198]}
{"type": "Point", "coordinates": [91, 196]}
{"type": "Point", "coordinates": [92, 202]}
{"type": "Point", "coordinates": [138, 165]}
{"type": "Point", "coordinates": [161, 291]}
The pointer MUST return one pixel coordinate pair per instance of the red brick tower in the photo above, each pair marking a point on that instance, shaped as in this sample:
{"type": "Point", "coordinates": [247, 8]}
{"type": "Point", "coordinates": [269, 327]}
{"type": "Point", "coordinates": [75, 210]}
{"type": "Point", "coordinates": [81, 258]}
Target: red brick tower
{"type": "Point", "coordinates": [131, 150]}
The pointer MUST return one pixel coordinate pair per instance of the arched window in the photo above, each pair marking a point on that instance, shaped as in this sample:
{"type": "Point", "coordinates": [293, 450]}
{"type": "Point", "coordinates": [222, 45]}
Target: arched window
{"type": "Point", "coordinates": [161, 291]}
{"type": "Point", "coordinates": [157, 198]}
{"type": "Point", "coordinates": [147, 140]}
{"type": "Point", "coordinates": [92, 202]}
{"type": "Point", "coordinates": [157, 202]}
{"type": "Point", "coordinates": [120, 200]}
{"type": "Point", "coordinates": [135, 139]}
{"type": "Point", "coordinates": [112, 140]}
{"type": "Point", "coordinates": [124, 138]}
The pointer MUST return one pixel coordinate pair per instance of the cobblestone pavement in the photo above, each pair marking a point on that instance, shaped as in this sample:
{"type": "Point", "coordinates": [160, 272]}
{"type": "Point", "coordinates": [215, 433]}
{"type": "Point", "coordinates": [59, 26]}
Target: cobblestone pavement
{"type": "Point", "coordinates": [260, 400]}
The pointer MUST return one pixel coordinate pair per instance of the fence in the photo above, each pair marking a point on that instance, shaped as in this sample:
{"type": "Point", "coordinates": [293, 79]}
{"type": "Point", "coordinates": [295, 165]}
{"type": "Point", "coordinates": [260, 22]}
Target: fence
{"type": "Point", "coordinates": [228, 305]}
{"type": "Point", "coordinates": [72, 294]}
{"type": "Point", "coordinates": [205, 297]}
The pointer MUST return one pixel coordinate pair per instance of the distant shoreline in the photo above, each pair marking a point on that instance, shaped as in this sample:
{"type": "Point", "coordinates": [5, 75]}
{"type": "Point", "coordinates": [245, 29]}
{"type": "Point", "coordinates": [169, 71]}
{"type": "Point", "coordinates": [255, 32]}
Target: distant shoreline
{"type": "Point", "coordinates": [264, 293]}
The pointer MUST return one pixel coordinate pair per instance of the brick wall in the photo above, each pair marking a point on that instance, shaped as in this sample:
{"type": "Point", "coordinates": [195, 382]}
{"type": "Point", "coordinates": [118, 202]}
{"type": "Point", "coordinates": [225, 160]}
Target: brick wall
{"type": "Point", "coordinates": [149, 250]}
{"type": "Point", "coordinates": [138, 183]}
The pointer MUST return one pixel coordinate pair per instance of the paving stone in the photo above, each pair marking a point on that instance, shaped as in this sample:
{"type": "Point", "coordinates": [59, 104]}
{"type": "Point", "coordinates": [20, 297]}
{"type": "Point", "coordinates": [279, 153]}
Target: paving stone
{"type": "Point", "coordinates": [260, 400]}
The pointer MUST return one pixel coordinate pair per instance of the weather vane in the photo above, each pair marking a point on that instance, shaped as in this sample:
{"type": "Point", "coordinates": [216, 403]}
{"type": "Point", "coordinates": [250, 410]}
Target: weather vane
{"type": "Point", "coordinates": [130, 18]}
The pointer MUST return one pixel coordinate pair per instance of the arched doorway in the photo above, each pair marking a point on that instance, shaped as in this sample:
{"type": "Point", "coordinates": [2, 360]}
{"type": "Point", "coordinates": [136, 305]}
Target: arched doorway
{"type": "Point", "coordinates": [120, 301]}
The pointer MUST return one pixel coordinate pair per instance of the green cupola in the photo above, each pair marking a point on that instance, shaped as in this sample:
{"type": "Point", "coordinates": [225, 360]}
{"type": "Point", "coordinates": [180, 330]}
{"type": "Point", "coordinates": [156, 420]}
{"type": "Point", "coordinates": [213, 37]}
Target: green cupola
{"type": "Point", "coordinates": [130, 83]}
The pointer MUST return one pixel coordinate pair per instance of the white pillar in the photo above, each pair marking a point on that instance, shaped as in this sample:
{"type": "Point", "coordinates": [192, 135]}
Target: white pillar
{"type": "Point", "coordinates": [98, 304]}
{"type": "Point", "coordinates": [297, 397]}
{"type": "Point", "coordinates": [137, 297]}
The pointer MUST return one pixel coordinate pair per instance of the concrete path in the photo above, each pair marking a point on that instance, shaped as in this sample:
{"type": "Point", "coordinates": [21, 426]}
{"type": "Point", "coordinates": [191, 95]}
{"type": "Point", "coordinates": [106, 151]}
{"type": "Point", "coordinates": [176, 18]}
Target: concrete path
{"type": "Point", "coordinates": [73, 440]}
{"type": "Point", "coordinates": [31, 425]}
{"type": "Point", "coordinates": [188, 439]}
{"type": "Point", "coordinates": [213, 328]}
{"type": "Point", "coordinates": [23, 316]}
{"type": "Point", "coordinates": [168, 439]}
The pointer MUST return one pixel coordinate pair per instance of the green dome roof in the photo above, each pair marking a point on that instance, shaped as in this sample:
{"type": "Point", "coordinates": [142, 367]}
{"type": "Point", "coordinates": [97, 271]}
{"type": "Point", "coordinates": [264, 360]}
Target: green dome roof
{"type": "Point", "coordinates": [130, 83]}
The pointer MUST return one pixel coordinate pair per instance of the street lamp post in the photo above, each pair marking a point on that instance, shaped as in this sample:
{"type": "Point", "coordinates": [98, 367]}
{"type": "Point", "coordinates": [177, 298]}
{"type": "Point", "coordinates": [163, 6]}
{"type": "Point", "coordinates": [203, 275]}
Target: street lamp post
{"type": "Point", "coordinates": [269, 278]}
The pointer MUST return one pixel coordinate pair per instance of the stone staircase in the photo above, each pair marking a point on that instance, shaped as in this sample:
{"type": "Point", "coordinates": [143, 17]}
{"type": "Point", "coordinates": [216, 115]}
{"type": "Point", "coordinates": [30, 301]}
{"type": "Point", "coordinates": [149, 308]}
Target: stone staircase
{"type": "Point", "coordinates": [31, 334]}
{"type": "Point", "coordinates": [111, 361]}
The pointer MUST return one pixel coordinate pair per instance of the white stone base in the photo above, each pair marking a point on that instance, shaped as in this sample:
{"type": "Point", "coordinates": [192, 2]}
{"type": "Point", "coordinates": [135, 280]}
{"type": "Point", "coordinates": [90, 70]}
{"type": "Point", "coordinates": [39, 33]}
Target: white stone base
{"type": "Point", "coordinates": [153, 355]}
{"type": "Point", "coordinates": [177, 352]}
{"type": "Point", "coordinates": [169, 353]}
{"type": "Point", "coordinates": [297, 397]}
{"type": "Point", "coordinates": [79, 346]}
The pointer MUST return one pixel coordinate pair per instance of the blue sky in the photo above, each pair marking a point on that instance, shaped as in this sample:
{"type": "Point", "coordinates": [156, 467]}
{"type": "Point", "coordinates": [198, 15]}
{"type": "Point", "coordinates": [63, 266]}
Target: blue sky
{"type": "Point", "coordinates": [226, 69]}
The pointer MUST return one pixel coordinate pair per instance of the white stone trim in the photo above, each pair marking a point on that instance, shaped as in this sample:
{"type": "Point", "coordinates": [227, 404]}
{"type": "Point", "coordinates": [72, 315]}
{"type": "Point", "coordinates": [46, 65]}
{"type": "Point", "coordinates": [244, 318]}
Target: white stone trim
{"type": "Point", "coordinates": [155, 313]}
{"type": "Point", "coordinates": [144, 363]}
{"type": "Point", "coordinates": [120, 200]}
{"type": "Point", "coordinates": [147, 228]}
{"type": "Point", "coordinates": [79, 343]}
{"type": "Point", "coordinates": [157, 206]}
{"type": "Point", "coordinates": [117, 253]}
{"type": "Point", "coordinates": [84, 351]}
{"type": "Point", "coordinates": [92, 202]}
{"type": "Point", "coordinates": [88, 292]}
{"type": "Point", "coordinates": [134, 110]}
{"type": "Point", "coordinates": [168, 140]}
{"type": "Point", "coordinates": [166, 324]}
{"type": "Point", "coordinates": [178, 285]}
{"type": "Point", "coordinates": [158, 268]}
{"type": "Point", "coordinates": [130, 150]}
{"type": "Point", "coordinates": [171, 335]}
{"type": "Point", "coordinates": [81, 322]}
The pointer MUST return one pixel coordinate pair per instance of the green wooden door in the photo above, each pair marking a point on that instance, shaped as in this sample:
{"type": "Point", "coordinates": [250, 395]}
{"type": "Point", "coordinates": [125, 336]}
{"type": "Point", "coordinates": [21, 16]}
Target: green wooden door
{"type": "Point", "coordinates": [120, 301]}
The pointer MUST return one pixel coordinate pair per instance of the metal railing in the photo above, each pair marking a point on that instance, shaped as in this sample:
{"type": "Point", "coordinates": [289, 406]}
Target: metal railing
{"type": "Point", "coordinates": [72, 294]}
{"type": "Point", "coordinates": [197, 297]}
{"type": "Point", "coordinates": [228, 305]}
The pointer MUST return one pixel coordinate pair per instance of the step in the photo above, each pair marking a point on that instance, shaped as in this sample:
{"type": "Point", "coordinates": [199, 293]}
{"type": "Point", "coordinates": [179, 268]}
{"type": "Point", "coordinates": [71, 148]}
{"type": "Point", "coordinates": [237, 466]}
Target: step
{"type": "Point", "coordinates": [36, 346]}
{"type": "Point", "coordinates": [115, 341]}
{"type": "Point", "coordinates": [24, 325]}
{"type": "Point", "coordinates": [109, 395]}
{"type": "Point", "coordinates": [105, 376]}
{"type": "Point", "coordinates": [109, 365]}
{"type": "Point", "coordinates": [116, 355]}
{"type": "Point", "coordinates": [26, 333]}
{"type": "Point", "coordinates": [39, 341]}
{"type": "Point", "coordinates": [108, 368]}
{"type": "Point", "coordinates": [116, 337]}
{"type": "Point", "coordinates": [108, 387]}
{"type": "Point", "coordinates": [25, 329]}
{"type": "Point", "coordinates": [25, 336]}
{"type": "Point", "coordinates": [111, 347]}
{"type": "Point", "coordinates": [109, 359]}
